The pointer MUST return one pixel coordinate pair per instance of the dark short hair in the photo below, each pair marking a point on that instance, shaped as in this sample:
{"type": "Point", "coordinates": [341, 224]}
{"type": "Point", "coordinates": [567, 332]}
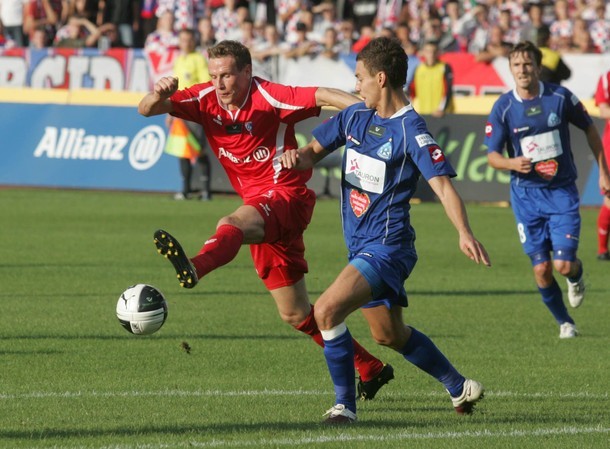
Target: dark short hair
{"type": "Point", "coordinates": [237, 50]}
{"type": "Point", "coordinates": [384, 54]}
{"type": "Point", "coordinates": [529, 48]}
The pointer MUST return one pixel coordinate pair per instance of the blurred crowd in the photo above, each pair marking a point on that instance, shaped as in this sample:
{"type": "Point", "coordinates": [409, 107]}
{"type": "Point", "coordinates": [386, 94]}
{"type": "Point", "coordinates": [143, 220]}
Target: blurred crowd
{"type": "Point", "coordinates": [295, 28]}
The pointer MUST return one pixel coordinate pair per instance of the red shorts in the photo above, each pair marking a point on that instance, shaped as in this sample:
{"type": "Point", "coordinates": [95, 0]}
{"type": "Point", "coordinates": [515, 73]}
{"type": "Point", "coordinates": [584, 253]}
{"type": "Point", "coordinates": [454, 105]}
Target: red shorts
{"type": "Point", "coordinates": [280, 259]}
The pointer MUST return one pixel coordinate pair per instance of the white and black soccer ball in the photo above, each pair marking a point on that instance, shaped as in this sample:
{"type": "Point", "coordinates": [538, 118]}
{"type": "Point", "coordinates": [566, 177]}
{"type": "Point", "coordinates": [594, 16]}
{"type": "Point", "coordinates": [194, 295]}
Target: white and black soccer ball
{"type": "Point", "coordinates": [141, 309]}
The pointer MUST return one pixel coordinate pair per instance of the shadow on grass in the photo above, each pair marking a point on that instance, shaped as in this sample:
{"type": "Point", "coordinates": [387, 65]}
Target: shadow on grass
{"type": "Point", "coordinates": [127, 336]}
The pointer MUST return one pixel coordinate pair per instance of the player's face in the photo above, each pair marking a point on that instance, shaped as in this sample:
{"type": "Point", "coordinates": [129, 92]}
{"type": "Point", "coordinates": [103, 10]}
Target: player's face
{"type": "Point", "coordinates": [231, 84]}
{"type": "Point", "coordinates": [367, 86]}
{"type": "Point", "coordinates": [525, 71]}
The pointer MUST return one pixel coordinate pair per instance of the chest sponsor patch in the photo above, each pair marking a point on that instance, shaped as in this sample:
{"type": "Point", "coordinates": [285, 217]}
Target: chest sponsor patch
{"type": "Point", "coordinates": [542, 146]}
{"type": "Point", "coordinates": [533, 110]}
{"type": "Point", "coordinates": [364, 172]}
{"type": "Point", "coordinates": [234, 128]}
{"type": "Point", "coordinates": [376, 130]}
{"type": "Point", "coordinates": [547, 169]}
{"type": "Point", "coordinates": [359, 202]}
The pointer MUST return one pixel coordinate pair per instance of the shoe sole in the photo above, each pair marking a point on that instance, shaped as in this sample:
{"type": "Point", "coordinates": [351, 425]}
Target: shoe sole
{"type": "Point", "coordinates": [468, 407]}
{"type": "Point", "coordinates": [385, 375]}
{"type": "Point", "coordinates": [169, 247]}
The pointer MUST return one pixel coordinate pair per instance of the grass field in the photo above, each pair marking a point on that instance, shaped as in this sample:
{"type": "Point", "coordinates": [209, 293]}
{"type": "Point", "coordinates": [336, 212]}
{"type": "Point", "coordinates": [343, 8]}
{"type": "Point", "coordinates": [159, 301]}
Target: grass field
{"type": "Point", "coordinates": [71, 377]}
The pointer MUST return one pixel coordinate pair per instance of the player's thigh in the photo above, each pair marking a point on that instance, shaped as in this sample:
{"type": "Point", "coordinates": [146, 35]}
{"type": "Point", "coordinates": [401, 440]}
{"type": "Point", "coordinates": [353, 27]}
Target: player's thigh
{"type": "Point", "coordinates": [348, 292]}
{"type": "Point", "coordinates": [249, 220]}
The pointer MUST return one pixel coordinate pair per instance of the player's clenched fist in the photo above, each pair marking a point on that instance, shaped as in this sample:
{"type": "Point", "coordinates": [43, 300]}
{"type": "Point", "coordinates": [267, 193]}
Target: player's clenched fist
{"type": "Point", "coordinates": [166, 86]}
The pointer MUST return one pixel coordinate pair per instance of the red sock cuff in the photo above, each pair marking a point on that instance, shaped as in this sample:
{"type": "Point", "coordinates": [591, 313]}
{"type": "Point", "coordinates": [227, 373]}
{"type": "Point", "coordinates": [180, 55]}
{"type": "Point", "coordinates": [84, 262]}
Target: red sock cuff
{"type": "Point", "coordinates": [218, 250]}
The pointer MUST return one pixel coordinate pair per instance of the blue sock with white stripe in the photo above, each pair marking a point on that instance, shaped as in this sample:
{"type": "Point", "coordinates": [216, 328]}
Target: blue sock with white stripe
{"type": "Point", "coordinates": [339, 354]}
{"type": "Point", "coordinates": [553, 299]}
{"type": "Point", "coordinates": [424, 354]}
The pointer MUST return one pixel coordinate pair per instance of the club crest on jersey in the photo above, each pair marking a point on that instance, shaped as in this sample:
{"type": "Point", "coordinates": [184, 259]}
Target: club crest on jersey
{"type": "Point", "coordinates": [376, 130]}
{"type": "Point", "coordinates": [248, 126]}
{"type": "Point", "coordinates": [547, 169]}
{"type": "Point", "coordinates": [385, 151]}
{"type": "Point", "coordinates": [359, 202]}
{"type": "Point", "coordinates": [553, 120]}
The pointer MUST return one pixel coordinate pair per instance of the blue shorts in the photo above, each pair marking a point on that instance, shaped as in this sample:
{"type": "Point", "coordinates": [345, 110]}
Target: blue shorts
{"type": "Point", "coordinates": [547, 219]}
{"type": "Point", "coordinates": [385, 268]}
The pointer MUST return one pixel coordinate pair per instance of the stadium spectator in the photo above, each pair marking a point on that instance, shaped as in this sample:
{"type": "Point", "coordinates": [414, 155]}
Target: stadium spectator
{"type": "Point", "coordinates": [495, 46]}
{"type": "Point", "coordinates": [225, 21]}
{"type": "Point", "coordinates": [38, 39]}
{"type": "Point", "coordinates": [207, 36]}
{"type": "Point", "coordinates": [582, 42]}
{"type": "Point", "coordinates": [389, 13]}
{"type": "Point", "coordinates": [265, 54]}
{"type": "Point", "coordinates": [433, 31]}
{"type": "Point", "coordinates": [302, 46]}
{"type": "Point", "coordinates": [288, 14]}
{"type": "Point", "coordinates": [599, 29]}
{"type": "Point", "coordinates": [330, 48]}
{"type": "Point", "coordinates": [532, 122]}
{"type": "Point", "coordinates": [602, 100]}
{"type": "Point", "coordinates": [79, 32]}
{"type": "Point", "coordinates": [148, 18]}
{"type": "Point", "coordinates": [11, 19]}
{"type": "Point", "coordinates": [324, 17]}
{"type": "Point", "coordinates": [510, 34]}
{"type": "Point", "coordinates": [533, 22]}
{"type": "Point", "coordinates": [125, 16]}
{"type": "Point", "coordinates": [187, 138]}
{"type": "Point", "coordinates": [362, 12]}
{"type": "Point", "coordinates": [562, 28]}
{"type": "Point", "coordinates": [43, 13]}
{"type": "Point", "coordinates": [186, 13]}
{"type": "Point", "coordinates": [164, 38]}
{"type": "Point", "coordinates": [347, 35]}
{"type": "Point", "coordinates": [248, 35]}
{"type": "Point", "coordinates": [245, 120]}
{"type": "Point", "coordinates": [385, 136]}
{"type": "Point", "coordinates": [432, 87]}
{"type": "Point", "coordinates": [367, 33]}
{"type": "Point", "coordinates": [450, 21]}
{"type": "Point", "coordinates": [553, 69]}
{"type": "Point", "coordinates": [474, 26]}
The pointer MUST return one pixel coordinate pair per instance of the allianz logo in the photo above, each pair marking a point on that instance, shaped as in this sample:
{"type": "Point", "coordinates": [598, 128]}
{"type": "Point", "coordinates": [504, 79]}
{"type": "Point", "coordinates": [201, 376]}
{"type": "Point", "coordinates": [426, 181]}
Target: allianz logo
{"type": "Point", "coordinates": [144, 150]}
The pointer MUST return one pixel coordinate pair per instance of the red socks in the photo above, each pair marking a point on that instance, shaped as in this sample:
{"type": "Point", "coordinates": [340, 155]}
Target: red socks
{"type": "Point", "coordinates": [218, 250]}
{"type": "Point", "coordinates": [366, 364]}
{"type": "Point", "coordinates": [603, 226]}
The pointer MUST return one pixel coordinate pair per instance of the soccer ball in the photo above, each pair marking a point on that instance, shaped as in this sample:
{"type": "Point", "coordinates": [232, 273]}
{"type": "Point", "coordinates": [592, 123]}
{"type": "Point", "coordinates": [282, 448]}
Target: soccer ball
{"type": "Point", "coordinates": [141, 309]}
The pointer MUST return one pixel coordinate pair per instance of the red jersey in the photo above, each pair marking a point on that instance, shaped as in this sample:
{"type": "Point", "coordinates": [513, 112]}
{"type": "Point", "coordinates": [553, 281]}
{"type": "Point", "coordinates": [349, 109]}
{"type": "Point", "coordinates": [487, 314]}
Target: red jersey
{"type": "Point", "coordinates": [602, 95]}
{"type": "Point", "coordinates": [249, 141]}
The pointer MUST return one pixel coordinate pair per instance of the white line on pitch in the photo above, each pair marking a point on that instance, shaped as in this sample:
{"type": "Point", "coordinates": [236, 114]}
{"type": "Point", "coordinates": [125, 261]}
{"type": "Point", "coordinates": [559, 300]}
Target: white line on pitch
{"type": "Point", "coordinates": [239, 393]}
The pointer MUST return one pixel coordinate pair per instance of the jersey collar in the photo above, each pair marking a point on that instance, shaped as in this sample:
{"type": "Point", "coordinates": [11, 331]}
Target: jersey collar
{"type": "Point", "coordinates": [540, 92]}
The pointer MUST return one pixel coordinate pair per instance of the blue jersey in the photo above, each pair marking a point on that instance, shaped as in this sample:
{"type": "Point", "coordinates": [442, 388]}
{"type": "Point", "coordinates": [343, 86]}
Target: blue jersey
{"type": "Point", "coordinates": [538, 129]}
{"type": "Point", "coordinates": [381, 165]}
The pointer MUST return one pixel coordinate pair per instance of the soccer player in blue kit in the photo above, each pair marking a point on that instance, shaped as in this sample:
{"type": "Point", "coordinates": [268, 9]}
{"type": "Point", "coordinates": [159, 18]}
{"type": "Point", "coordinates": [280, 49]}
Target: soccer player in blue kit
{"type": "Point", "coordinates": [387, 148]}
{"type": "Point", "coordinates": [532, 122]}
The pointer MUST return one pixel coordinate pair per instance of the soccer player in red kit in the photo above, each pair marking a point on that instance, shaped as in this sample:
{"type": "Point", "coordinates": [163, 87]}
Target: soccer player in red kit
{"type": "Point", "coordinates": [249, 122]}
{"type": "Point", "coordinates": [602, 100]}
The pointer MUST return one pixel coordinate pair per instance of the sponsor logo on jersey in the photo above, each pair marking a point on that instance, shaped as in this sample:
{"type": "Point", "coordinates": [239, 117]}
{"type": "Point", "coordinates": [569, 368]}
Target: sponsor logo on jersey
{"type": "Point", "coordinates": [217, 120]}
{"type": "Point", "coordinates": [553, 120]}
{"type": "Point", "coordinates": [364, 172]}
{"type": "Point", "coordinates": [353, 139]}
{"type": "Point", "coordinates": [436, 154]}
{"type": "Point", "coordinates": [143, 152]}
{"type": "Point", "coordinates": [234, 128]}
{"type": "Point", "coordinates": [260, 154]}
{"type": "Point", "coordinates": [385, 151]}
{"type": "Point", "coordinates": [547, 169]}
{"type": "Point", "coordinates": [488, 129]}
{"type": "Point", "coordinates": [424, 140]}
{"type": "Point", "coordinates": [376, 130]}
{"type": "Point", "coordinates": [359, 201]}
{"type": "Point", "coordinates": [533, 110]}
{"type": "Point", "coordinates": [515, 130]}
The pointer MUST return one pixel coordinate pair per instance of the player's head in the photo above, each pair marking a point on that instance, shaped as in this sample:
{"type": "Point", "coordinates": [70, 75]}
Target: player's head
{"type": "Point", "coordinates": [382, 63]}
{"type": "Point", "coordinates": [525, 61]}
{"type": "Point", "coordinates": [230, 66]}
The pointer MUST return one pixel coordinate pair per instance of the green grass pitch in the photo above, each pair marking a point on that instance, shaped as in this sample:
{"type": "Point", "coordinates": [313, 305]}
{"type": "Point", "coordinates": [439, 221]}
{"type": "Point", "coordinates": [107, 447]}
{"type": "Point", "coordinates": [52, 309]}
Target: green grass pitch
{"type": "Point", "coordinates": [71, 377]}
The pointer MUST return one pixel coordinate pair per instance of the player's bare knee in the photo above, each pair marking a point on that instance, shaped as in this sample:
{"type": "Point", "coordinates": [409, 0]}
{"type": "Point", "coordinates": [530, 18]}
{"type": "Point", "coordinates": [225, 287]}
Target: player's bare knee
{"type": "Point", "coordinates": [324, 315]}
{"type": "Point", "coordinates": [564, 267]}
{"type": "Point", "coordinates": [543, 271]}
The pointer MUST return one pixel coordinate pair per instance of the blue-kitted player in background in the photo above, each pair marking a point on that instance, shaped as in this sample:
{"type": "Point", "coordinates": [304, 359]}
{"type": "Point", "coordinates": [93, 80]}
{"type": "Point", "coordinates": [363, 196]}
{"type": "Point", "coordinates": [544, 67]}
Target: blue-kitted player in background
{"type": "Point", "coordinates": [532, 123]}
{"type": "Point", "coordinates": [387, 148]}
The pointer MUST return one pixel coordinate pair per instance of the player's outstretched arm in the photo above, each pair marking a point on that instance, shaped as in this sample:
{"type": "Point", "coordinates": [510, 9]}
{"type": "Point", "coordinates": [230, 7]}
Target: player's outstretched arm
{"type": "Point", "coordinates": [157, 102]}
{"type": "Point", "coordinates": [328, 96]}
{"type": "Point", "coordinates": [519, 164]}
{"type": "Point", "coordinates": [456, 211]}
{"type": "Point", "coordinates": [304, 158]}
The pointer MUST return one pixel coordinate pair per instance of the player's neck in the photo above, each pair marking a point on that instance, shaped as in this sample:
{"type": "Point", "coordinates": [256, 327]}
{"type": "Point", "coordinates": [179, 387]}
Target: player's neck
{"type": "Point", "coordinates": [391, 103]}
{"type": "Point", "coordinates": [530, 92]}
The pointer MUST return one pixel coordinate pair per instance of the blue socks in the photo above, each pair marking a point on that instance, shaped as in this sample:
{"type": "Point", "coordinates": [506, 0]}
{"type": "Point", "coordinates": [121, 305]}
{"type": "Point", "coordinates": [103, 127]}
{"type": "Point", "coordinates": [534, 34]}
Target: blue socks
{"type": "Point", "coordinates": [553, 299]}
{"type": "Point", "coordinates": [424, 354]}
{"type": "Point", "coordinates": [339, 354]}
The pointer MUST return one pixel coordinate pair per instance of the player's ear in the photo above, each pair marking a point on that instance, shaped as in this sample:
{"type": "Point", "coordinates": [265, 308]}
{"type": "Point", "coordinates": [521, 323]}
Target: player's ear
{"type": "Point", "coordinates": [382, 79]}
